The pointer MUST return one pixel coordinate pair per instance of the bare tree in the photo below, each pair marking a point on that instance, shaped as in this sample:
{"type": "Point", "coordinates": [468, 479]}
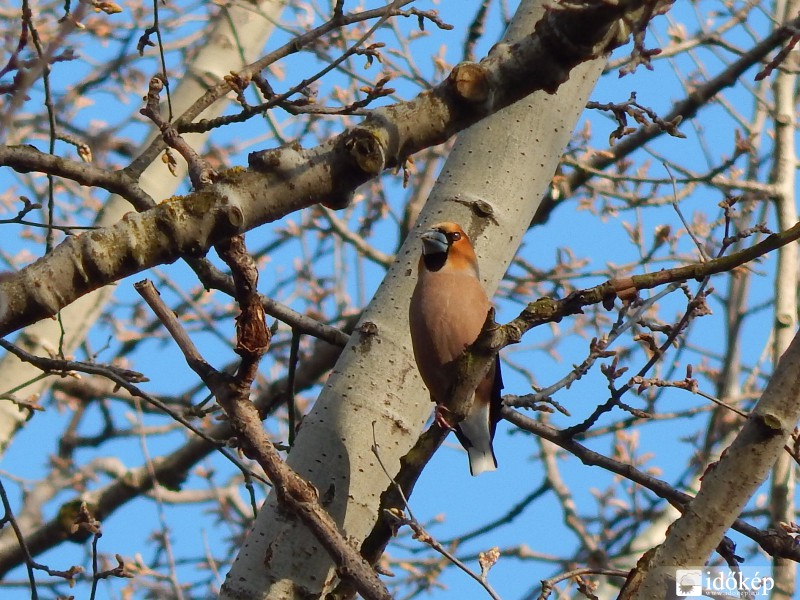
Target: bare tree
{"type": "Point", "coordinates": [646, 341]}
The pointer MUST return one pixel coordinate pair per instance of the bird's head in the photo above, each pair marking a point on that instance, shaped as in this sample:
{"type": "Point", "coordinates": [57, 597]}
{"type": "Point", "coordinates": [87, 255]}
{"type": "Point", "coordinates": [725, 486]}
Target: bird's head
{"type": "Point", "coordinates": [446, 246]}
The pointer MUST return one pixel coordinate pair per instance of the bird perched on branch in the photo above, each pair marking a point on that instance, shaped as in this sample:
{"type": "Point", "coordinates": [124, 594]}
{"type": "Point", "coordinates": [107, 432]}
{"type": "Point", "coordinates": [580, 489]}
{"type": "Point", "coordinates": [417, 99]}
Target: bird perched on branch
{"type": "Point", "coordinates": [447, 312]}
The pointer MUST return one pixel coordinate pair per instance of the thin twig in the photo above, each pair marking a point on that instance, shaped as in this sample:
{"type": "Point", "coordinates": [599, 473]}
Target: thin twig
{"type": "Point", "coordinates": [697, 243]}
{"type": "Point", "coordinates": [294, 352]}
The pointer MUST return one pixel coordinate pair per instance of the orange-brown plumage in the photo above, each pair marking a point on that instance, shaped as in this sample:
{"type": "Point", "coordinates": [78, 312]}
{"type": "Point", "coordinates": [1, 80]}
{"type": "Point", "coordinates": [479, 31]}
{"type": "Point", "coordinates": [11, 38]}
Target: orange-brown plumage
{"type": "Point", "coordinates": [447, 311]}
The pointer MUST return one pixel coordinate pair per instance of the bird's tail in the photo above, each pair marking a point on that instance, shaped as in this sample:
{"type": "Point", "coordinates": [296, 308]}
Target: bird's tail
{"type": "Point", "coordinates": [475, 434]}
{"type": "Point", "coordinates": [481, 460]}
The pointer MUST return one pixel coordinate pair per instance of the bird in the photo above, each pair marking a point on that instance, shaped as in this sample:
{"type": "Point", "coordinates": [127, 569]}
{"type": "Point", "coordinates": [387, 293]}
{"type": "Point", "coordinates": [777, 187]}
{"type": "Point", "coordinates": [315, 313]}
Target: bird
{"type": "Point", "coordinates": [446, 314]}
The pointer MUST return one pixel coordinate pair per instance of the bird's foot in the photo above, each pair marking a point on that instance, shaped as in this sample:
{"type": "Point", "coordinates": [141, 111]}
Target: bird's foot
{"type": "Point", "coordinates": [440, 417]}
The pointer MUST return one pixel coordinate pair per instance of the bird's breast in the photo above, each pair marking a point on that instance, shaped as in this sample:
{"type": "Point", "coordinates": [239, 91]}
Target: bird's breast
{"type": "Point", "coordinates": [446, 315]}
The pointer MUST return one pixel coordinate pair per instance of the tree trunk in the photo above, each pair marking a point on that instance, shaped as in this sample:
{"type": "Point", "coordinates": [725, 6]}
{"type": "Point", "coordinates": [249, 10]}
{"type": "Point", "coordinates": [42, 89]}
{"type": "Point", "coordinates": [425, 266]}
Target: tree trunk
{"type": "Point", "coordinates": [491, 184]}
{"type": "Point", "coordinates": [782, 492]}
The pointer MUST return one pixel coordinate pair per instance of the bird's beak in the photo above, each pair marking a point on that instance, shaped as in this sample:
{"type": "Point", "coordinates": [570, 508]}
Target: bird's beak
{"type": "Point", "coordinates": [434, 242]}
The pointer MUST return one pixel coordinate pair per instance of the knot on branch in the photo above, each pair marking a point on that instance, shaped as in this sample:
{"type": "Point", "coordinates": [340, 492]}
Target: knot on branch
{"type": "Point", "coordinates": [233, 215]}
{"type": "Point", "coordinates": [470, 82]}
{"type": "Point", "coordinates": [284, 161]}
{"type": "Point", "coordinates": [772, 423]}
{"type": "Point", "coordinates": [478, 206]}
{"type": "Point", "coordinates": [367, 149]}
{"type": "Point", "coordinates": [625, 288]}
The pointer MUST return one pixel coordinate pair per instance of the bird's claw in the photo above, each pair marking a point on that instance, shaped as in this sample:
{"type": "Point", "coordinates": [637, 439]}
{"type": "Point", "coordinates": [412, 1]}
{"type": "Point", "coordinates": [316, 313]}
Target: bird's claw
{"type": "Point", "coordinates": [440, 417]}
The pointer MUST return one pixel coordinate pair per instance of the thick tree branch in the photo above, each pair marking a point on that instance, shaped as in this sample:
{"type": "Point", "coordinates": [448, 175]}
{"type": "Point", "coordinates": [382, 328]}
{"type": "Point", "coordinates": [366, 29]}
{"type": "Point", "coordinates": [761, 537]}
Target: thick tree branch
{"type": "Point", "coordinates": [285, 180]}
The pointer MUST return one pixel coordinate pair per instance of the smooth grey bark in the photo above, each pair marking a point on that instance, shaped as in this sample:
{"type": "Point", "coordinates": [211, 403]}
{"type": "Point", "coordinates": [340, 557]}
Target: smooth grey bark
{"type": "Point", "coordinates": [502, 165]}
{"type": "Point", "coordinates": [783, 484]}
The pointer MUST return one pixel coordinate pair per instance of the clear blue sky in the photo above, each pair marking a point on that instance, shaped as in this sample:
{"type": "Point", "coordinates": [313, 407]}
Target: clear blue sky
{"type": "Point", "coordinates": [447, 497]}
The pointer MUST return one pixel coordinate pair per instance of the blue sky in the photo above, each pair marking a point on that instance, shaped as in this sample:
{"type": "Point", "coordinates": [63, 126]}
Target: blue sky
{"type": "Point", "coordinates": [446, 497]}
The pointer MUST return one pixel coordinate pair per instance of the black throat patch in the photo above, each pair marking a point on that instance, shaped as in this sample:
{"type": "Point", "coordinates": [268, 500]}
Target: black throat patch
{"type": "Point", "coordinates": [434, 262]}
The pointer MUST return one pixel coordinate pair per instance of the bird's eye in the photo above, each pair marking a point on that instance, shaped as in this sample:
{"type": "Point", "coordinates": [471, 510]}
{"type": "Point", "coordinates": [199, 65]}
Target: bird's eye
{"type": "Point", "coordinates": [455, 236]}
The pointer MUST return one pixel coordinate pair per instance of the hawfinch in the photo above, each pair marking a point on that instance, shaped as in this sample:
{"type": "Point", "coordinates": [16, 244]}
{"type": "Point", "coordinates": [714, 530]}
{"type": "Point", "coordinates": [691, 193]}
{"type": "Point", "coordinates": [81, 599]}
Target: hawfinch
{"type": "Point", "coordinates": [447, 312]}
